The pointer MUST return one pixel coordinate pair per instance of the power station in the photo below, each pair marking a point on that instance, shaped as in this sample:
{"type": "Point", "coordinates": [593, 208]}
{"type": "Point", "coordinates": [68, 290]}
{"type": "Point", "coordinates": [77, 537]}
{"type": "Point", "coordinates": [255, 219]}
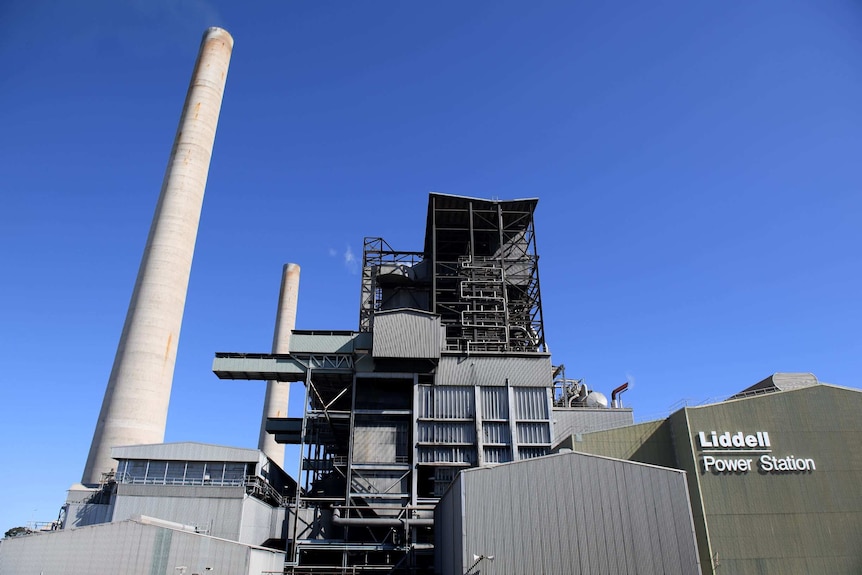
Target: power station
{"type": "Point", "coordinates": [438, 436]}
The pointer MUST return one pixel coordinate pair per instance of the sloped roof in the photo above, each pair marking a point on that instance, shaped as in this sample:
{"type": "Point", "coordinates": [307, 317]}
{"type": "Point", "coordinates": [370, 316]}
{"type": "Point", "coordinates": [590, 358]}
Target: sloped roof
{"type": "Point", "coordinates": [778, 382]}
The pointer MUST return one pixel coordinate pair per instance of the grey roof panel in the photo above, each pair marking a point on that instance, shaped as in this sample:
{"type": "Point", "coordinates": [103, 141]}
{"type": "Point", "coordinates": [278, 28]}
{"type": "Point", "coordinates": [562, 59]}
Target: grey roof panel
{"type": "Point", "coordinates": [187, 451]}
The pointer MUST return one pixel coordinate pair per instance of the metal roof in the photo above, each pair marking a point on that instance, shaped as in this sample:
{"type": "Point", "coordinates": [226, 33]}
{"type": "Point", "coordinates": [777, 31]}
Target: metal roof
{"type": "Point", "coordinates": [186, 451]}
{"type": "Point", "coordinates": [460, 203]}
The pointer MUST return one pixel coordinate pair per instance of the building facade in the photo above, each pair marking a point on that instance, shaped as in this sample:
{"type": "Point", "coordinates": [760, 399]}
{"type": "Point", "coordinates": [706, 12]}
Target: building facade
{"type": "Point", "coordinates": [447, 371]}
{"type": "Point", "coordinates": [774, 475]}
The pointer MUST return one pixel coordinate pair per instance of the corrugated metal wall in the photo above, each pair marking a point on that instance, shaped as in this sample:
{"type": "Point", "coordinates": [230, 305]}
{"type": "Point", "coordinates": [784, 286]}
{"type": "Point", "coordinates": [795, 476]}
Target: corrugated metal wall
{"type": "Point", "coordinates": [570, 513]}
{"type": "Point", "coordinates": [585, 420]}
{"type": "Point", "coordinates": [495, 371]}
{"type": "Point", "coordinates": [446, 402]}
{"type": "Point", "coordinates": [793, 522]}
{"type": "Point", "coordinates": [753, 522]}
{"type": "Point", "coordinates": [408, 334]}
{"type": "Point", "coordinates": [529, 417]}
{"type": "Point", "coordinates": [131, 548]}
{"type": "Point", "coordinates": [214, 510]}
{"type": "Point", "coordinates": [257, 523]}
{"type": "Point", "coordinates": [495, 403]}
{"type": "Point", "coordinates": [449, 539]}
{"type": "Point", "coordinates": [430, 432]}
{"type": "Point", "coordinates": [648, 442]}
{"type": "Point", "coordinates": [531, 403]}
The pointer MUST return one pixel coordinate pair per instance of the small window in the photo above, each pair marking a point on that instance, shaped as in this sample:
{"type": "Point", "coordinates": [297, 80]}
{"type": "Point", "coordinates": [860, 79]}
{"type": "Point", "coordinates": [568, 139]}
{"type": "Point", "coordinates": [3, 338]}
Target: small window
{"type": "Point", "coordinates": [233, 473]}
{"type": "Point", "coordinates": [176, 472]}
{"type": "Point", "coordinates": [137, 470]}
{"type": "Point", "coordinates": [214, 472]}
{"type": "Point", "coordinates": [156, 472]}
{"type": "Point", "coordinates": [194, 473]}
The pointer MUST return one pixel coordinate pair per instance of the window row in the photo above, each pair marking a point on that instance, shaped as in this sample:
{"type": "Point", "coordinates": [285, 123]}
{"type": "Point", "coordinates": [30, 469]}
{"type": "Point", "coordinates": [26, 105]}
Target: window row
{"type": "Point", "coordinates": [158, 472]}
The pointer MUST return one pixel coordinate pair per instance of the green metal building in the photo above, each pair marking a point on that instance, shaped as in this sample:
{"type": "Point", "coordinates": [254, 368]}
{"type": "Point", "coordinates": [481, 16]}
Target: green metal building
{"type": "Point", "coordinates": [774, 474]}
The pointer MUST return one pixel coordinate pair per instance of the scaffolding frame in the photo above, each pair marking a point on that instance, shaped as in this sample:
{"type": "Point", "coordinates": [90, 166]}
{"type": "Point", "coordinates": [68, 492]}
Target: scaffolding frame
{"type": "Point", "coordinates": [485, 282]}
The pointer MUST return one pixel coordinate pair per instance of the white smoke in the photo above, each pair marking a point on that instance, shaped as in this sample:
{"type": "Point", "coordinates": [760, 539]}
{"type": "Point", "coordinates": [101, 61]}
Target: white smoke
{"type": "Point", "coordinates": [350, 261]}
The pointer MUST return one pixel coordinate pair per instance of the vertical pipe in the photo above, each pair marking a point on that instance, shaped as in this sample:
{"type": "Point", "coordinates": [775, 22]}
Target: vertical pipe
{"type": "Point", "coordinates": [278, 392]}
{"type": "Point", "coordinates": [135, 407]}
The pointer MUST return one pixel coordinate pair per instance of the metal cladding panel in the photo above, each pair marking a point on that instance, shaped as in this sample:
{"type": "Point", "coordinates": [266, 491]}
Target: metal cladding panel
{"type": "Point", "coordinates": [529, 371]}
{"type": "Point", "coordinates": [187, 451]}
{"type": "Point", "coordinates": [530, 403]}
{"type": "Point", "coordinates": [533, 432]}
{"type": "Point", "coordinates": [321, 342]}
{"type": "Point", "coordinates": [281, 368]}
{"type": "Point", "coordinates": [132, 548]}
{"type": "Point", "coordinates": [650, 442]}
{"type": "Point", "coordinates": [621, 518]}
{"type": "Point", "coordinates": [781, 522]}
{"type": "Point", "coordinates": [447, 454]}
{"type": "Point", "coordinates": [219, 517]}
{"type": "Point", "coordinates": [495, 403]}
{"type": "Point", "coordinates": [185, 491]}
{"type": "Point", "coordinates": [449, 550]}
{"type": "Point", "coordinates": [408, 334]}
{"type": "Point", "coordinates": [445, 432]}
{"type": "Point", "coordinates": [446, 402]}
{"type": "Point", "coordinates": [585, 420]}
{"type": "Point", "coordinates": [257, 522]}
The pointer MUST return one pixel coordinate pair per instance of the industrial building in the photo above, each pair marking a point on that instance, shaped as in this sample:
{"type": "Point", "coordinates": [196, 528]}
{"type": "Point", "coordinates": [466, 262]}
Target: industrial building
{"type": "Point", "coordinates": [774, 474]}
{"type": "Point", "coordinates": [438, 437]}
{"type": "Point", "coordinates": [447, 371]}
{"type": "Point", "coordinates": [566, 513]}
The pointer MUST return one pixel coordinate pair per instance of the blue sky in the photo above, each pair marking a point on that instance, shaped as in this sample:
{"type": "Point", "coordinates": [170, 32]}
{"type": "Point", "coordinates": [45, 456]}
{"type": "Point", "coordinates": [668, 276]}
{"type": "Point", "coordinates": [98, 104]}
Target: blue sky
{"type": "Point", "coordinates": [696, 164]}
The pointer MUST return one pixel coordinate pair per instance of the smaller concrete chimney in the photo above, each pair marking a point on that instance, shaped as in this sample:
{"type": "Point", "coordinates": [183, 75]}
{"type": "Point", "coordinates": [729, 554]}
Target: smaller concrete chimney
{"type": "Point", "coordinates": [278, 392]}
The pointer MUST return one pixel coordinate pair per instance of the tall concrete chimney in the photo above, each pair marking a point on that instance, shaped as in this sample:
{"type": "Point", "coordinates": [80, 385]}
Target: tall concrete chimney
{"type": "Point", "coordinates": [278, 392]}
{"type": "Point", "coordinates": [135, 407]}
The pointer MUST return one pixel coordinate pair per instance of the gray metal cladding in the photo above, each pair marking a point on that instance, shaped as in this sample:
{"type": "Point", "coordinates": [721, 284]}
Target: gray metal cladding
{"type": "Point", "coordinates": [407, 334]}
{"type": "Point", "coordinates": [531, 403]}
{"type": "Point", "coordinates": [447, 454]}
{"type": "Point", "coordinates": [440, 402]}
{"type": "Point", "coordinates": [186, 451]}
{"type": "Point", "coordinates": [219, 517]}
{"type": "Point", "coordinates": [448, 518]}
{"type": "Point", "coordinates": [533, 432]}
{"type": "Point", "coordinates": [445, 432]}
{"type": "Point", "coordinates": [585, 420]}
{"type": "Point", "coordinates": [570, 513]}
{"type": "Point", "coordinates": [132, 548]}
{"type": "Point", "coordinates": [495, 403]}
{"type": "Point", "coordinates": [258, 368]}
{"type": "Point", "coordinates": [497, 454]}
{"type": "Point", "coordinates": [304, 342]}
{"type": "Point", "coordinates": [522, 371]}
{"type": "Point", "coordinates": [496, 432]}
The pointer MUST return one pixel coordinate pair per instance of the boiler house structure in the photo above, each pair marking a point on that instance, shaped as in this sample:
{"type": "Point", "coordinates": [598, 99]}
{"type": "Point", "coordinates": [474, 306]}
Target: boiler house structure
{"type": "Point", "coordinates": [448, 370]}
{"type": "Point", "coordinates": [437, 437]}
